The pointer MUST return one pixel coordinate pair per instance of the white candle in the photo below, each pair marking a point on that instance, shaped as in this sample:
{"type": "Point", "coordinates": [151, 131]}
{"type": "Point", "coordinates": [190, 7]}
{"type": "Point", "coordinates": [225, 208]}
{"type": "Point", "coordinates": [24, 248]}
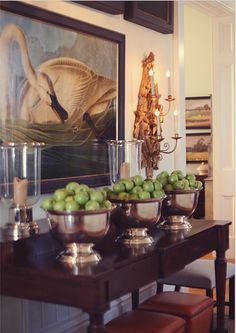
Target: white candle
{"type": "Point", "coordinates": [169, 83]}
{"type": "Point", "coordinates": [157, 113]}
{"type": "Point", "coordinates": [151, 74]}
{"type": "Point", "coordinates": [176, 121]}
{"type": "Point", "coordinates": [20, 189]}
{"type": "Point", "coordinates": [125, 170]}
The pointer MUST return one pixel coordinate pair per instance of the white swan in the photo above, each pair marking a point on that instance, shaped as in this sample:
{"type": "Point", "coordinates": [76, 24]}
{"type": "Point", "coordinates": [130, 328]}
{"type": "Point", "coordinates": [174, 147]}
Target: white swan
{"type": "Point", "coordinates": [59, 89]}
{"type": "Point", "coordinates": [39, 81]}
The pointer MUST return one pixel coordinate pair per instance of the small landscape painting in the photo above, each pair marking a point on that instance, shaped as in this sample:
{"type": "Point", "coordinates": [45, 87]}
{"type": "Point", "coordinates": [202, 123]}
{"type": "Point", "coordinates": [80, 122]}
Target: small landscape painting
{"type": "Point", "coordinates": [197, 147]}
{"type": "Point", "coordinates": [198, 112]}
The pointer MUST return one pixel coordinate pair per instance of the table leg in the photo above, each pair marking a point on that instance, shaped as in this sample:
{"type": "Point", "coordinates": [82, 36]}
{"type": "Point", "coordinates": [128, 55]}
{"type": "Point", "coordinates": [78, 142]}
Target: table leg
{"type": "Point", "coordinates": [135, 299]}
{"type": "Point", "coordinates": [220, 272]}
{"type": "Point", "coordinates": [96, 324]}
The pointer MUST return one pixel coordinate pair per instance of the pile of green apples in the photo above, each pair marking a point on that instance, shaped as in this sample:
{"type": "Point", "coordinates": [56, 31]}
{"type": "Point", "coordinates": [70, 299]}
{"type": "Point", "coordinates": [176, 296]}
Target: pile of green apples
{"type": "Point", "coordinates": [176, 180]}
{"type": "Point", "coordinates": [135, 188]}
{"type": "Point", "coordinates": [138, 188]}
{"type": "Point", "coordinates": [75, 197]}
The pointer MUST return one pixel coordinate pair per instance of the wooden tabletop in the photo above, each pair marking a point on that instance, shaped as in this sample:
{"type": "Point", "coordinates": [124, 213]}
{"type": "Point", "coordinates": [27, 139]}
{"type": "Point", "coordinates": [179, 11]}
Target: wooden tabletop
{"type": "Point", "coordinates": [30, 270]}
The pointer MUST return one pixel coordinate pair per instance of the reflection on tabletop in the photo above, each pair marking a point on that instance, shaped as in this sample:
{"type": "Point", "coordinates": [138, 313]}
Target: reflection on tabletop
{"type": "Point", "coordinates": [40, 251]}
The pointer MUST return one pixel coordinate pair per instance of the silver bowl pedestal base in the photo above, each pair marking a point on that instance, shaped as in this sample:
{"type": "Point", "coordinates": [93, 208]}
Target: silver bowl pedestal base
{"type": "Point", "coordinates": [175, 223]}
{"type": "Point", "coordinates": [22, 224]}
{"type": "Point", "coordinates": [79, 254]}
{"type": "Point", "coordinates": [137, 236]}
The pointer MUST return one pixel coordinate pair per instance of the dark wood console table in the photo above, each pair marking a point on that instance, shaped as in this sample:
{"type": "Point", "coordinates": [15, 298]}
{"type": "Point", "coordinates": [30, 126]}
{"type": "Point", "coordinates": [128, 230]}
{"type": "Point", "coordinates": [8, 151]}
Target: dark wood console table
{"type": "Point", "coordinates": [29, 269]}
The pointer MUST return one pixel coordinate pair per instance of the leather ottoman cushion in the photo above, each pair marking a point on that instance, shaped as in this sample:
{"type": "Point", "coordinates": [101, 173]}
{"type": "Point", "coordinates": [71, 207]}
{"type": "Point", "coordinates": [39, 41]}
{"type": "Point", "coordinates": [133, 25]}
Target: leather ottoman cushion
{"type": "Point", "coordinates": [177, 303]}
{"type": "Point", "coordinates": [139, 321]}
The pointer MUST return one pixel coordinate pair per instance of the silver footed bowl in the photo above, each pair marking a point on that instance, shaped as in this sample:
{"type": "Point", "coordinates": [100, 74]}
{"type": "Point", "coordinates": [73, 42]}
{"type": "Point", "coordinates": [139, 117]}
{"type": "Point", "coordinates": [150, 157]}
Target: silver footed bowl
{"type": "Point", "coordinates": [177, 207]}
{"type": "Point", "coordinates": [180, 202]}
{"type": "Point", "coordinates": [136, 217]}
{"type": "Point", "coordinates": [137, 213]}
{"type": "Point", "coordinates": [84, 226]}
{"type": "Point", "coordinates": [79, 231]}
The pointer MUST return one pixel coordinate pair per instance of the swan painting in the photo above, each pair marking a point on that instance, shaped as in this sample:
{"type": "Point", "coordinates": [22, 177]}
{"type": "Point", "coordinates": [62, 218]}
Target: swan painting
{"type": "Point", "coordinates": [58, 86]}
{"type": "Point", "coordinates": [54, 96]}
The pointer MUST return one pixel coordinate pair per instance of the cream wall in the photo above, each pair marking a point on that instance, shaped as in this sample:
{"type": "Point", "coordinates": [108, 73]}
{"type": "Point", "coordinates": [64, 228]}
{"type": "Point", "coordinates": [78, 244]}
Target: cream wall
{"type": "Point", "coordinates": [198, 58]}
{"type": "Point", "coordinates": [198, 52]}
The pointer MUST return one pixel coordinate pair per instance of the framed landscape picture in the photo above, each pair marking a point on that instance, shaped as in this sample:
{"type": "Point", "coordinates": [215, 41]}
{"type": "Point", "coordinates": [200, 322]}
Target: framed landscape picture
{"type": "Point", "coordinates": [197, 147]}
{"type": "Point", "coordinates": [198, 112]}
{"type": "Point", "coordinates": [62, 83]}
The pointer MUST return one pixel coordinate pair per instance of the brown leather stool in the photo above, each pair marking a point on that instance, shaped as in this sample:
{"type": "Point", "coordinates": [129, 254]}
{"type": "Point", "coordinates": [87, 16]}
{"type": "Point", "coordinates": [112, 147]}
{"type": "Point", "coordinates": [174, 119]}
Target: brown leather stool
{"type": "Point", "coordinates": [138, 321]}
{"type": "Point", "coordinates": [197, 310]}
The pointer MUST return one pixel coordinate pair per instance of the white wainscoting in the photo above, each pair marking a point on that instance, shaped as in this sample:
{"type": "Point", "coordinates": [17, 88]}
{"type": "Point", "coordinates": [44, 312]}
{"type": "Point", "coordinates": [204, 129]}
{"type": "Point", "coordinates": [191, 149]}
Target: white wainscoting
{"type": "Point", "coordinates": [23, 316]}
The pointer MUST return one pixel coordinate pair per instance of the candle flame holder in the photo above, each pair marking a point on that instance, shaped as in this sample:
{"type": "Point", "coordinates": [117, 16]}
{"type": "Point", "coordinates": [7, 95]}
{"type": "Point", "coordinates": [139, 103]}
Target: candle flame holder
{"type": "Point", "coordinates": [149, 119]}
{"type": "Point", "coordinates": [20, 175]}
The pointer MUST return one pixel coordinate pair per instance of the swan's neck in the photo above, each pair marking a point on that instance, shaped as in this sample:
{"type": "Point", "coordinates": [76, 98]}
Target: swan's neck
{"type": "Point", "coordinates": [12, 33]}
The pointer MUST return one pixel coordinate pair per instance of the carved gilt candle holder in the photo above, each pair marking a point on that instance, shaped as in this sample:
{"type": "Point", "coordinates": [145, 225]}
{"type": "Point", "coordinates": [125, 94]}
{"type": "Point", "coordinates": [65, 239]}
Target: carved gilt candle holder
{"type": "Point", "coordinates": [149, 119]}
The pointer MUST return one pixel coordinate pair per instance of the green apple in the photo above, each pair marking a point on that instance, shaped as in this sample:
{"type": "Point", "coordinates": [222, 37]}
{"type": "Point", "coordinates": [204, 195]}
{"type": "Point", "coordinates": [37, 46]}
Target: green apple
{"type": "Point", "coordinates": [190, 176]}
{"type": "Point", "coordinates": [192, 183]}
{"type": "Point", "coordinates": [47, 204]}
{"type": "Point", "coordinates": [172, 178]}
{"type": "Point", "coordinates": [59, 205]}
{"type": "Point", "coordinates": [106, 204]}
{"type": "Point", "coordinates": [163, 179]}
{"type": "Point", "coordinates": [119, 187]}
{"type": "Point", "coordinates": [164, 173]}
{"type": "Point", "coordinates": [104, 193]}
{"type": "Point", "coordinates": [129, 184]}
{"type": "Point", "coordinates": [144, 195]}
{"type": "Point", "coordinates": [199, 184]}
{"type": "Point", "coordinates": [69, 198]}
{"type": "Point", "coordinates": [186, 184]}
{"type": "Point", "coordinates": [148, 186]}
{"type": "Point", "coordinates": [60, 194]}
{"type": "Point", "coordinates": [97, 196]}
{"type": "Point", "coordinates": [72, 206]}
{"type": "Point", "coordinates": [179, 173]}
{"type": "Point", "coordinates": [157, 194]}
{"type": "Point", "coordinates": [111, 195]}
{"type": "Point", "coordinates": [82, 197]}
{"type": "Point", "coordinates": [107, 189]}
{"type": "Point", "coordinates": [168, 187]}
{"type": "Point", "coordinates": [133, 196]}
{"type": "Point", "coordinates": [157, 185]}
{"type": "Point", "coordinates": [136, 189]}
{"type": "Point", "coordinates": [178, 185]}
{"type": "Point", "coordinates": [72, 186]}
{"type": "Point", "coordinates": [82, 187]}
{"type": "Point", "coordinates": [123, 196]}
{"type": "Point", "coordinates": [92, 205]}
{"type": "Point", "coordinates": [138, 180]}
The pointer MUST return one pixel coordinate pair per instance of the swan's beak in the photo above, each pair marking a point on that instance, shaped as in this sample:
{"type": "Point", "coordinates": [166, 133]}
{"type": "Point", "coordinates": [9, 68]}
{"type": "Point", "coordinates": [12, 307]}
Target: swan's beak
{"type": "Point", "coordinates": [56, 106]}
{"type": "Point", "coordinates": [88, 120]}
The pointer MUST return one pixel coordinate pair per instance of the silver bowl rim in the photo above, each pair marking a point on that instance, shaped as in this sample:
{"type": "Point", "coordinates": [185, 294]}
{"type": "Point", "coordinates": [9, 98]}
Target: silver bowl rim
{"type": "Point", "coordinates": [11, 144]}
{"type": "Point", "coordinates": [194, 190]}
{"type": "Point", "coordinates": [81, 212]}
{"type": "Point", "coordinates": [137, 201]}
{"type": "Point", "coordinates": [120, 142]}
